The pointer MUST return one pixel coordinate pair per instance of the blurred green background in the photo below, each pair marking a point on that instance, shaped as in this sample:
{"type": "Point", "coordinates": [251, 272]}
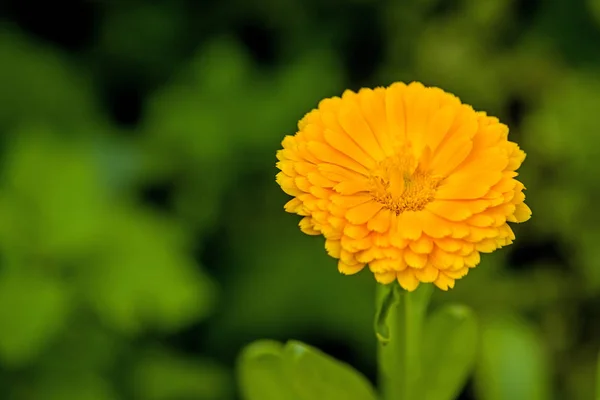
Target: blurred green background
{"type": "Point", "coordinates": [143, 240]}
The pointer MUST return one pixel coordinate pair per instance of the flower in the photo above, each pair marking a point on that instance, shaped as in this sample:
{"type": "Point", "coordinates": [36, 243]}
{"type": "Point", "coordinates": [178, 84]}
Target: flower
{"type": "Point", "coordinates": [405, 179]}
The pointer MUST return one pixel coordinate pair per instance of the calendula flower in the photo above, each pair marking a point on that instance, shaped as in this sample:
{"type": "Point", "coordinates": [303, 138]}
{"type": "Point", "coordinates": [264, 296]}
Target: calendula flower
{"type": "Point", "coordinates": [405, 179]}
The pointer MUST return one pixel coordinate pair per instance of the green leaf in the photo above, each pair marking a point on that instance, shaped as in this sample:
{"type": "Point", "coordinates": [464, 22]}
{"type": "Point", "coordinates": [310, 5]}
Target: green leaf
{"type": "Point", "coordinates": [261, 372]}
{"type": "Point", "coordinates": [513, 363]}
{"type": "Point", "coordinates": [39, 83]}
{"type": "Point", "coordinates": [163, 375]}
{"type": "Point", "coordinates": [296, 371]}
{"type": "Point", "coordinates": [316, 375]}
{"type": "Point", "coordinates": [80, 385]}
{"type": "Point", "coordinates": [33, 310]}
{"type": "Point", "coordinates": [449, 351]}
{"type": "Point", "coordinates": [146, 278]}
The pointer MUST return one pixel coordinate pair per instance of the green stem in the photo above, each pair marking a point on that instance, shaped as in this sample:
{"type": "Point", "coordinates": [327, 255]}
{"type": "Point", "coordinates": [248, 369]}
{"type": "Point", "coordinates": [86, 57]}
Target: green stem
{"type": "Point", "coordinates": [398, 325]}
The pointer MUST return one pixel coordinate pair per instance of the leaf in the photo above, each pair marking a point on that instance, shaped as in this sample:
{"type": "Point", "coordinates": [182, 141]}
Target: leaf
{"type": "Point", "coordinates": [163, 375]}
{"type": "Point", "coordinates": [316, 375]}
{"type": "Point", "coordinates": [38, 83]}
{"type": "Point", "coordinates": [261, 372]}
{"type": "Point", "coordinates": [53, 198]}
{"type": "Point", "coordinates": [33, 310]}
{"type": "Point", "coordinates": [449, 351]}
{"type": "Point", "coordinates": [146, 278]}
{"type": "Point", "coordinates": [80, 385]}
{"type": "Point", "coordinates": [296, 371]}
{"type": "Point", "coordinates": [512, 362]}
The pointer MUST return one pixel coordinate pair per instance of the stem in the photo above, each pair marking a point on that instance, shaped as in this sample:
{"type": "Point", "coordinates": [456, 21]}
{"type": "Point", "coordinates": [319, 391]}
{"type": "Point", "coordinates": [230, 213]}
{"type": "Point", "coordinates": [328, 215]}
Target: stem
{"type": "Point", "coordinates": [399, 325]}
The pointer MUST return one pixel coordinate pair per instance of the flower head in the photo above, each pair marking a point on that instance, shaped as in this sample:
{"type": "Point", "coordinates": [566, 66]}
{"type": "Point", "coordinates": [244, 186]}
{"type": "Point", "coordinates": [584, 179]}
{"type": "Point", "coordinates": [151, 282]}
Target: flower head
{"type": "Point", "coordinates": [405, 179]}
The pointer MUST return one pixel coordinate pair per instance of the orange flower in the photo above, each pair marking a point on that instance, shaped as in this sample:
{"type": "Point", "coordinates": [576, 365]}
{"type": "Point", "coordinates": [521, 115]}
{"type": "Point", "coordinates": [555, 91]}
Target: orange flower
{"type": "Point", "coordinates": [405, 179]}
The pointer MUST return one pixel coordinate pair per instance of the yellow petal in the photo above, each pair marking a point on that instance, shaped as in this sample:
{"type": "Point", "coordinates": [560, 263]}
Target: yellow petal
{"type": "Point", "coordinates": [414, 260]}
{"type": "Point", "coordinates": [356, 127]}
{"type": "Point", "coordinates": [372, 105]}
{"type": "Point", "coordinates": [434, 226]}
{"type": "Point", "coordinates": [293, 205]}
{"type": "Point", "coordinates": [450, 155]}
{"type": "Point", "coordinates": [307, 226]}
{"type": "Point", "coordinates": [364, 212]}
{"type": "Point", "coordinates": [407, 279]}
{"type": "Point", "coordinates": [341, 142]}
{"type": "Point", "coordinates": [350, 201]}
{"type": "Point", "coordinates": [472, 259]}
{"type": "Point", "coordinates": [356, 231]}
{"type": "Point", "coordinates": [349, 269]}
{"type": "Point", "coordinates": [385, 277]}
{"type": "Point", "coordinates": [333, 248]}
{"type": "Point", "coordinates": [441, 259]}
{"type": "Point", "coordinates": [465, 186]}
{"type": "Point", "coordinates": [410, 225]}
{"type": "Point", "coordinates": [381, 221]}
{"type": "Point", "coordinates": [427, 274]}
{"type": "Point", "coordinates": [338, 173]}
{"type": "Point", "coordinates": [456, 210]}
{"type": "Point", "coordinates": [439, 125]}
{"type": "Point", "coordinates": [326, 153]}
{"type": "Point", "coordinates": [352, 187]}
{"type": "Point", "coordinates": [522, 213]}
{"type": "Point", "coordinates": [444, 282]}
{"type": "Point", "coordinates": [423, 245]}
{"type": "Point", "coordinates": [458, 273]}
{"type": "Point", "coordinates": [395, 112]}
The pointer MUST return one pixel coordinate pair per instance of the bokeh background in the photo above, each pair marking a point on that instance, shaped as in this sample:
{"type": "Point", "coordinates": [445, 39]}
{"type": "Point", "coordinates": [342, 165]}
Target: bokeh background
{"type": "Point", "coordinates": [143, 240]}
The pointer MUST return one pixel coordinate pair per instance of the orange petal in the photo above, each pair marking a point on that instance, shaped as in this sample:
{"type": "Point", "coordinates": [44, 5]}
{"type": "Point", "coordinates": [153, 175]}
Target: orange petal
{"type": "Point", "coordinates": [307, 226]}
{"type": "Point", "coordinates": [460, 273]}
{"type": "Point", "coordinates": [434, 226]}
{"type": "Point", "coordinates": [333, 248]}
{"type": "Point", "coordinates": [338, 173]}
{"type": "Point", "coordinates": [380, 222]}
{"type": "Point", "coordinates": [326, 153]}
{"type": "Point", "coordinates": [441, 259]}
{"type": "Point", "coordinates": [472, 259]}
{"type": "Point", "coordinates": [444, 282]}
{"type": "Point", "coordinates": [407, 279]}
{"type": "Point", "coordinates": [427, 274]}
{"type": "Point", "coordinates": [522, 213]}
{"type": "Point", "coordinates": [372, 104]}
{"type": "Point", "coordinates": [385, 277]}
{"type": "Point", "coordinates": [423, 245]}
{"type": "Point", "coordinates": [410, 225]}
{"type": "Point", "coordinates": [350, 201]}
{"type": "Point", "coordinates": [352, 187]}
{"type": "Point", "coordinates": [344, 144]}
{"type": "Point", "coordinates": [456, 210]}
{"type": "Point", "coordinates": [414, 260]}
{"type": "Point", "coordinates": [364, 212]}
{"type": "Point", "coordinates": [293, 205]}
{"type": "Point", "coordinates": [349, 269]}
{"type": "Point", "coordinates": [450, 155]}
{"type": "Point", "coordinates": [395, 112]}
{"type": "Point", "coordinates": [439, 125]}
{"type": "Point", "coordinates": [464, 186]}
{"type": "Point", "coordinates": [350, 118]}
{"type": "Point", "coordinates": [356, 231]}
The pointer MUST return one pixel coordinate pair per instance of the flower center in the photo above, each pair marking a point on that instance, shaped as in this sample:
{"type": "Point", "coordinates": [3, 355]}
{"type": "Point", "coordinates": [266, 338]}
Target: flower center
{"type": "Point", "coordinates": [401, 185]}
